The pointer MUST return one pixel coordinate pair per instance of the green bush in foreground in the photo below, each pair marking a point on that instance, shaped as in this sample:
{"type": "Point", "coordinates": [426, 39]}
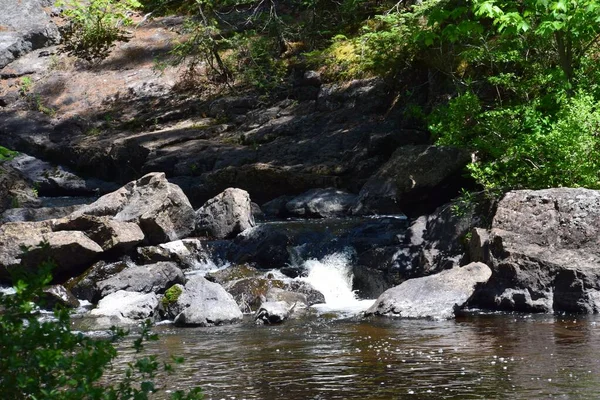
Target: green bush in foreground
{"type": "Point", "coordinates": [46, 360]}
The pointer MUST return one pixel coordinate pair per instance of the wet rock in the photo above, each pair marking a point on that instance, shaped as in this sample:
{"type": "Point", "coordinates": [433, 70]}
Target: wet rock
{"type": "Point", "coordinates": [436, 296]}
{"type": "Point", "coordinates": [84, 285]}
{"type": "Point", "coordinates": [160, 208]}
{"type": "Point", "coordinates": [225, 215]}
{"type": "Point", "coordinates": [72, 251]}
{"type": "Point", "coordinates": [273, 312]}
{"type": "Point", "coordinates": [232, 273]}
{"type": "Point", "coordinates": [415, 180]}
{"type": "Point", "coordinates": [312, 295]}
{"type": "Point", "coordinates": [127, 307]}
{"type": "Point", "coordinates": [276, 207]}
{"type": "Point", "coordinates": [249, 293]}
{"type": "Point", "coordinates": [543, 249]}
{"type": "Point", "coordinates": [296, 299]}
{"type": "Point", "coordinates": [26, 27]}
{"type": "Point", "coordinates": [206, 303]}
{"type": "Point", "coordinates": [154, 278]}
{"type": "Point", "coordinates": [321, 203]}
{"type": "Point", "coordinates": [59, 295]}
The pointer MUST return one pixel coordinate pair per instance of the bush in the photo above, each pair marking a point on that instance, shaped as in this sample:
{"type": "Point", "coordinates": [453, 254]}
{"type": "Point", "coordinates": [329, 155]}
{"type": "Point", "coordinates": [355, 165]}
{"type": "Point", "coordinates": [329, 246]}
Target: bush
{"type": "Point", "coordinates": [46, 360]}
{"type": "Point", "coordinates": [93, 29]}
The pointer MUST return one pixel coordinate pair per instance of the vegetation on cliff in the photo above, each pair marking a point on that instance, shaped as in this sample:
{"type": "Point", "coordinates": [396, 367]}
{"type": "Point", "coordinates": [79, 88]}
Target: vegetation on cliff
{"type": "Point", "coordinates": [515, 82]}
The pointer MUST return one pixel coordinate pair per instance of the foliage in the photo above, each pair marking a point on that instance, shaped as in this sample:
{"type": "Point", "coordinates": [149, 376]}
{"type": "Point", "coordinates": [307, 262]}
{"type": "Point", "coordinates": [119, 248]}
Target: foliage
{"type": "Point", "coordinates": [7, 154]}
{"type": "Point", "coordinates": [171, 295]}
{"type": "Point", "coordinates": [94, 27]}
{"type": "Point", "coordinates": [46, 360]}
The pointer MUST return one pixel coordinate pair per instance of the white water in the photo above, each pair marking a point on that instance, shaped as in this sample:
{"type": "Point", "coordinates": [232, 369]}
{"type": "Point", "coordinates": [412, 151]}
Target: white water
{"type": "Point", "coordinates": [332, 276]}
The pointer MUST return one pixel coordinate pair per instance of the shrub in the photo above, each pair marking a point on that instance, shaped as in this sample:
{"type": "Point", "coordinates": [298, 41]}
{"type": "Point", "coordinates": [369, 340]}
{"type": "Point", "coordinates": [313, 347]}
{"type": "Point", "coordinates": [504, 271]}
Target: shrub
{"type": "Point", "coordinates": [93, 28]}
{"type": "Point", "coordinates": [46, 360]}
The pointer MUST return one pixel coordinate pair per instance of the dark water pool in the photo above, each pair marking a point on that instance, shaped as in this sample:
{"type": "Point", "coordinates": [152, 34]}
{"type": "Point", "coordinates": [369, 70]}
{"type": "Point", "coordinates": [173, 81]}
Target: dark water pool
{"type": "Point", "coordinates": [473, 357]}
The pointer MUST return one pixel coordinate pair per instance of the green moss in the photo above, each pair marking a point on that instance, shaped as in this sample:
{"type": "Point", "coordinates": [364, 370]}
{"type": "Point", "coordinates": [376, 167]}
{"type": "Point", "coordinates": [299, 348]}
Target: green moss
{"type": "Point", "coordinates": [171, 295]}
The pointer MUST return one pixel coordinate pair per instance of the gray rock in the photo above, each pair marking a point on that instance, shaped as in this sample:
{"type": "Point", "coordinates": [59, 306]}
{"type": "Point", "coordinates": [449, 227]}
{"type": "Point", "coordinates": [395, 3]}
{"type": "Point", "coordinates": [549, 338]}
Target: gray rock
{"type": "Point", "coordinates": [225, 215]}
{"type": "Point", "coordinates": [72, 251]}
{"type": "Point", "coordinates": [59, 295]}
{"type": "Point", "coordinates": [273, 312]}
{"type": "Point", "coordinates": [27, 26]}
{"type": "Point", "coordinates": [15, 190]}
{"type": "Point", "coordinates": [117, 236]}
{"type": "Point", "coordinates": [154, 278]}
{"type": "Point", "coordinates": [295, 299]}
{"type": "Point", "coordinates": [52, 180]}
{"type": "Point", "coordinates": [321, 203]}
{"type": "Point", "coordinates": [127, 307]}
{"type": "Point", "coordinates": [415, 180]}
{"type": "Point", "coordinates": [160, 208]}
{"type": "Point", "coordinates": [84, 285]}
{"type": "Point", "coordinates": [187, 253]}
{"type": "Point", "coordinates": [436, 296]}
{"type": "Point", "coordinates": [206, 303]}
{"type": "Point", "coordinates": [544, 251]}
{"type": "Point", "coordinates": [368, 95]}
{"type": "Point", "coordinates": [36, 214]}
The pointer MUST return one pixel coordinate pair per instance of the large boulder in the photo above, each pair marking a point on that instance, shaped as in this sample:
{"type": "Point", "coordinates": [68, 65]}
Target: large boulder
{"type": "Point", "coordinates": [206, 303]}
{"type": "Point", "coordinates": [72, 251]}
{"type": "Point", "coordinates": [155, 278]}
{"type": "Point", "coordinates": [25, 27]}
{"type": "Point", "coordinates": [436, 296]}
{"type": "Point", "coordinates": [415, 180]}
{"type": "Point", "coordinates": [15, 190]}
{"type": "Point", "coordinates": [225, 215]}
{"type": "Point", "coordinates": [187, 253]}
{"type": "Point", "coordinates": [273, 312]}
{"type": "Point", "coordinates": [126, 308]}
{"type": "Point", "coordinates": [160, 208]}
{"type": "Point", "coordinates": [84, 285]}
{"type": "Point", "coordinates": [544, 250]}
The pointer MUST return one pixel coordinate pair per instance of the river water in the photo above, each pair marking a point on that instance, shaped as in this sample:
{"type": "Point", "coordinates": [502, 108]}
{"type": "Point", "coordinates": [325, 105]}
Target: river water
{"type": "Point", "coordinates": [477, 356]}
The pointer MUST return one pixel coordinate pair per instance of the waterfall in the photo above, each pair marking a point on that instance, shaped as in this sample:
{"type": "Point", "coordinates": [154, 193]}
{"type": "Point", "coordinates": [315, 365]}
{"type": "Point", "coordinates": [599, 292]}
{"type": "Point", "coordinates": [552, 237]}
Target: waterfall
{"type": "Point", "coordinates": [332, 276]}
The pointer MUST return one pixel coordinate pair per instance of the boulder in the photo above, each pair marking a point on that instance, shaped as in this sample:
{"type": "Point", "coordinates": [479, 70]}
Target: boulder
{"type": "Point", "coordinates": [249, 293]}
{"type": "Point", "coordinates": [273, 312]}
{"type": "Point", "coordinates": [127, 307]}
{"type": "Point", "coordinates": [321, 203]}
{"type": "Point", "coordinates": [72, 251]}
{"type": "Point", "coordinates": [186, 253]}
{"type": "Point", "coordinates": [26, 27]}
{"type": "Point", "coordinates": [295, 299]}
{"type": "Point", "coordinates": [154, 278]}
{"type": "Point", "coordinates": [58, 295]}
{"type": "Point", "coordinates": [160, 208]}
{"type": "Point", "coordinates": [225, 215]}
{"type": "Point", "coordinates": [84, 285]}
{"type": "Point", "coordinates": [436, 296]}
{"type": "Point", "coordinates": [544, 250]}
{"type": "Point", "coordinates": [415, 181]}
{"type": "Point", "coordinates": [116, 236]}
{"type": "Point", "coordinates": [206, 303]}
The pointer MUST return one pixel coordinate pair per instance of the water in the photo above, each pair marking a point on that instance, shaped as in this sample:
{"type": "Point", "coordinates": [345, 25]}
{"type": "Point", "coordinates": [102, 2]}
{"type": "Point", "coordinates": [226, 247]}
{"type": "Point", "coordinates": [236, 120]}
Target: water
{"type": "Point", "coordinates": [473, 357]}
{"type": "Point", "coordinates": [329, 356]}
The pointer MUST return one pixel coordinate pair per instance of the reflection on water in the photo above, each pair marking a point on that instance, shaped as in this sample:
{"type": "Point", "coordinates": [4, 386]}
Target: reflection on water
{"type": "Point", "coordinates": [474, 357]}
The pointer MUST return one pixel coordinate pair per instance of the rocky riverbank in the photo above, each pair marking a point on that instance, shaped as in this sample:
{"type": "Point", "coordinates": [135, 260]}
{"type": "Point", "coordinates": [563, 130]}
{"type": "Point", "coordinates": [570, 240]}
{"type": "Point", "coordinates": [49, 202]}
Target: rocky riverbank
{"type": "Point", "coordinates": [187, 180]}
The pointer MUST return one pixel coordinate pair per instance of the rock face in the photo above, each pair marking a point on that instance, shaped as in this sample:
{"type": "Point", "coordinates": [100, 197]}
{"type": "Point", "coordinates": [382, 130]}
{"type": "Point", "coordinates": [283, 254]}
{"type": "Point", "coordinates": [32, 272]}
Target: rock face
{"type": "Point", "coordinates": [206, 303]}
{"type": "Point", "coordinates": [160, 208]}
{"type": "Point", "coordinates": [15, 190]}
{"type": "Point", "coordinates": [155, 278]}
{"type": "Point", "coordinates": [225, 215]}
{"type": "Point", "coordinates": [544, 249]}
{"type": "Point", "coordinates": [436, 296]}
{"type": "Point", "coordinates": [321, 203]}
{"type": "Point", "coordinates": [26, 27]}
{"type": "Point", "coordinates": [415, 180]}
